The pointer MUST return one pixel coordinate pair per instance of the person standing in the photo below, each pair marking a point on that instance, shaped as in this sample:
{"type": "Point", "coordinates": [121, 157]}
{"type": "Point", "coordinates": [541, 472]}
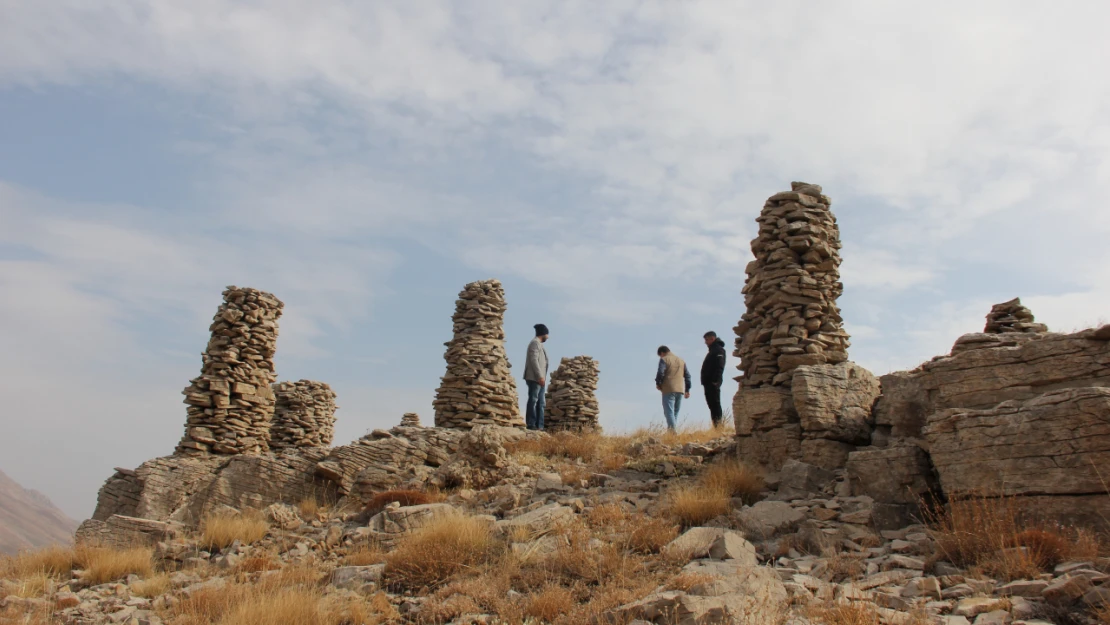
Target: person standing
{"type": "Point", "coordinates": [535, 374]}
{"type": "Point", "coordinates": [712, 375]}
{"type": "Point", "coordinates": [673, 379]}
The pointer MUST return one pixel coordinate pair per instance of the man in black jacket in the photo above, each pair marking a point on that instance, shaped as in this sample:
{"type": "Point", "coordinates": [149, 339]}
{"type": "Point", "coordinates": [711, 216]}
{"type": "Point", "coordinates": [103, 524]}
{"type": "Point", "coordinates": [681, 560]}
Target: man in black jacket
{"type": "Point", "coordinates": [712, 374]}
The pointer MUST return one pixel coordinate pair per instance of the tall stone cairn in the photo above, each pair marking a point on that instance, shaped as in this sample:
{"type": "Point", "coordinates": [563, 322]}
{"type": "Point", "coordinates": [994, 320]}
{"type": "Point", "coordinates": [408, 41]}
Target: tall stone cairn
{"type": "Point", "coordinates": [231, 404]}
{"type": "Point", "coordinates": [304, 415]}
{"type": "Point", "coordinates": [1012, 317]}
{"type": "Point", "coordinates": [478, 388]}
{"type": "Point", "coordinates": [571, 404]}
{"type": "Point", "coordinates": [792, 318]}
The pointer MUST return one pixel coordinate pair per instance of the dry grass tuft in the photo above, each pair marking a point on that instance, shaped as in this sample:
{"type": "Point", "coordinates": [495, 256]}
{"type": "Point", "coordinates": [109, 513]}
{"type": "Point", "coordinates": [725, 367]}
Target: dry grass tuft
{"type": "Point", "coordinates": [151, 587]}
{"type": "Point", "coordinates": [32, 586]}
{"type": "Point", "coordinates": [735, 478]}
{"type": "Point", "coordinates": [550, 603]}
{"type": "Point", "coordinates": [106, 564]}
{"type": "Point", "coordinates": [992, 535]}
{"type": "Point", "coordinates": [650, 534]}
{"type": "Point", "coordinates": [309, 508]}
{"type": "Point", "coordinates": [606, 516]}
{"type": "Point", "coordinates": [379, 501]}
{"type": "Point", "coordinates": [586, 446]}
{"type": "Point", "coordinates": [845, 614]}
{"type": "Point", "coordinates": [685, 581]}
{"type": "Point", "coordinates": [219, 531]}
{"type": "Point", "coordinates": [364, 555]}
{"type": "Point", "coordinates": [55, 562]}
{"type": "Point", "coordinates": [696, 504]}
{"type": "Point", "coordinates": [442, 549]}
{"type": "Point", "coordinates": [258, 563]}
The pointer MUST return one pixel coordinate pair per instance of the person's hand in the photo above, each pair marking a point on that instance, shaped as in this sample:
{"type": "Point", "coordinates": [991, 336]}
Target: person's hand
{"type": "Point", "coordinates": [687, 396]}
{"type": "Point", "coordinates": [543, 381]}
{"type": "Point", "coordinates": [658, 387]}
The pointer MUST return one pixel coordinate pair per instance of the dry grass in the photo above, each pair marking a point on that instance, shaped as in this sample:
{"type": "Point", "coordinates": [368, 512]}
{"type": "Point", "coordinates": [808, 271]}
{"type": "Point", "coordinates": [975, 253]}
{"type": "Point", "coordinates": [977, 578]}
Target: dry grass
{"type": "Point", "coordinates": [32, 586]}
{"type": "Point", "coordinates": [1101, 614]}
{"type": "Point", "coordinates": [993, 536]}
{"type": "Point", "coordinates": [685, 581]}
{"type": "Point", "coordinates": [442, 549]}
{"type": "Point", "coordinates": [844, 614]}
{"type": "Point", "coordinates": [56, 562]}
{"type": "Point", "coordinates": [696, 504]}
{"type": "Point", "coordinates": [258, 563]}
{"type": "Point", "coordinates": [219, 531]}
{"type": "Point", "coordinates": [606, 516]}
{"type": "Point", "coordinates": [549, 603]}
{"type": "Point", "coordinates": [152, 586]}
{"type": "Point", "coordinates": [309, 508]}
{"type": "Point", "coordinates": [586, 446]}
{"type": "Point", "coordinates": [101, 565]}
{"type": "Point", "coordinates": [735, 478]}
{"type": "Point", "coordinates": [291, 596]}
{"type": "Point", "coordinates": [364, 555]}
{"type": "Point", "coordinates": [650, 534]}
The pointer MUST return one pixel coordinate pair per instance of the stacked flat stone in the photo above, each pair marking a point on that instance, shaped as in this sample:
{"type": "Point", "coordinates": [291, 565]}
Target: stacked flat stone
{"type": "Point", "coordinates": [792, 318]}
{"type": "Point", "coordinates": [304, 415]}
{"type": "Point", "coordinates": [231, 404]}
{"type": "Point", "coordinates": [410, 420]}
{"type": "Point", "coordinates": [1012, 317]}
{"type": "Point", "coordinates": [571, 404]}
{"type": "Point", "coordinates": [478, 387]}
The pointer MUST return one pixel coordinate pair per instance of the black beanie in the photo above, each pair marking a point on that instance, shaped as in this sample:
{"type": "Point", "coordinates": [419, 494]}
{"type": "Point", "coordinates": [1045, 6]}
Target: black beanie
{"type": "Point", "coordinates": [540, 329]}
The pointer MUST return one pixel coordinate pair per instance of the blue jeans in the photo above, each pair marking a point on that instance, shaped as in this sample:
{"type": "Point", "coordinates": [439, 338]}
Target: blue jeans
{"type": "Point", "coordinates": [671, 404]}
{"type": "Point", "coordinates": [533, 415]}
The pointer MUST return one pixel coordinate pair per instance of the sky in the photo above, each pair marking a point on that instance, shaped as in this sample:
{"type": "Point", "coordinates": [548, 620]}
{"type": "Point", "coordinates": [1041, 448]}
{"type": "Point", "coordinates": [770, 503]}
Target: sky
{"type": "Point", "coordinates": [605, 160]}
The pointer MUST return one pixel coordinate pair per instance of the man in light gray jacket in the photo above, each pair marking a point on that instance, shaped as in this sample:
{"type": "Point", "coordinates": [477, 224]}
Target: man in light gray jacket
{"type": "Point", "coordinates": [535, 374]}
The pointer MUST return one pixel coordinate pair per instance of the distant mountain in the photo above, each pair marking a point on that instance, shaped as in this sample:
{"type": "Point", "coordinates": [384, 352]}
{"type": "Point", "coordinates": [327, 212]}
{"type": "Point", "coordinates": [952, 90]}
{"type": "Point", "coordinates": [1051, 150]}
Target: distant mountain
{"type": "Point", "coordinates": [28, 519]}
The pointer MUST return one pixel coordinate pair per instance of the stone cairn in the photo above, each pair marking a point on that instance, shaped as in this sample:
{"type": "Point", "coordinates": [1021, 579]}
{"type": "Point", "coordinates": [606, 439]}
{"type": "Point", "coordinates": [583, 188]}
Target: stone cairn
{"type": "Point", "coordinates": [478, 388]}
{"type": "Point", "coordinates": [410, 420]}
{"type": "Point", "coordinates": [1012, 317]}
{"type": "Point", "coordinates": [304, 415]}
{"type": "Point", "coordinates": [231, 404]}
{"type": "Point", "coordinates": [792, 318]}
{"type": "Point", "coordinates": [571, 404]}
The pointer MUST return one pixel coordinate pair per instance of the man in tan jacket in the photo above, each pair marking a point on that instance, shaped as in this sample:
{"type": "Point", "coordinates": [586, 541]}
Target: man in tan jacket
{"type": "Point", "coordinates": [673, 379]}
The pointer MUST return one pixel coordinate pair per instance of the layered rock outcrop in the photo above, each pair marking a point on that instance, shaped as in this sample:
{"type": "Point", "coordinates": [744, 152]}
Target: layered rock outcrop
{"type": "Point", "coordinates": [571, 403]}
{"type": "Point", "coordinates": [304, 415]}
{"type": "Point", "coordinates": [231, 405]}
{"type": "Point", "coordinates": [478, 388]}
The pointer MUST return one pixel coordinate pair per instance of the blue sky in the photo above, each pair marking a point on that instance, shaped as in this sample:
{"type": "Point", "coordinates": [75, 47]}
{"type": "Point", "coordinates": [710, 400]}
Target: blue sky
{"type": "Point", "coordinates": [606, 161]}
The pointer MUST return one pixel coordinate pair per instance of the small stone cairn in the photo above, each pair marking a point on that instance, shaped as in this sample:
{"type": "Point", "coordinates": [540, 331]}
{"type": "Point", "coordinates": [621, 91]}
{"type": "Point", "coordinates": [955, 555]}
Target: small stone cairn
{"type": "Point", "coordinates": [1012, 317]}
{"type": "Point", "coordinates": [231, 404]}
{"type": "Point", "coordinates": [571, 404]}
{"type": "Point", "coordinates": [478, 388]}
{"type": "Point", "coordinates": [792, 318]}
{"type": "Point", "coordinates": [410, 420]}
{"type": "Point", "coordinates": [304, 415]}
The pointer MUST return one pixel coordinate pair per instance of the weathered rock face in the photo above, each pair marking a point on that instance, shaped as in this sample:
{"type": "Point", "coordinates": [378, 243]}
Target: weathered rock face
{"type": "Point", "coordinates": [900, 474]}
{"type": "Point", "coordinates": [834, 401]}
{"type": "Point", "coordinates": [792, 318]}
{"type": "Point", "coordinates": [1010, 317]}
{"type": "Point", "coordinates": [1055, 444]}
{"type": "Point", "coordinates": [478, 388]}
{"type": "Point", "coordinates": [231, 405]}
{"type": "Point", "coordinates": [395, 522]}
{"type": "Point", "coordinates": [985, 370]}
{"type": "Point", "coordinates": [571, 404]}
{"type": "Point", "coordinates": [304, 415]}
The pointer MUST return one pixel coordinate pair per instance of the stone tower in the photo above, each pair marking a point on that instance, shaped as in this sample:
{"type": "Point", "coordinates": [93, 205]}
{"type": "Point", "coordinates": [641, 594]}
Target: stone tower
{"type": "Point", "coordinates": [231, 404]}
{"type": "Point", "coordinates": [304, 415]}
{"type": "Point", "coordinates": [571, 403]}
{"type": "Point", "coordinates": [478, 387]}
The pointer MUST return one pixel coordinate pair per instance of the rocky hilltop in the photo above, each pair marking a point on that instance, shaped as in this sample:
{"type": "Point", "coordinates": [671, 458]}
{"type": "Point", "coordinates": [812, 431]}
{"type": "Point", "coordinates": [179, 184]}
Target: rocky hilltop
{"type": "Point", "coordinates": [29, 520]}
{"type": "Point", "coordinates": [971, 489]}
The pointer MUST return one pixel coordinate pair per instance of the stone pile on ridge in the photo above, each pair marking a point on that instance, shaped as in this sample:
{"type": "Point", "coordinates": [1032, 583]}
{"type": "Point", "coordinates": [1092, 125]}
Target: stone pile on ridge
{"type": "Point", "coordinates": [231, 404]}
{"type": "Point", "coordinates": [1010, 317]}
{"type": "Point", "coordinates": [792, 318]}
{"type": "Point", "coordinates": [304, 415]}
{"type": "Point", "coordinates": [571, 404]}
{"type": "Point", "coordinates": [410, 420]}
{"type": "Point", "coordinates": [478, 388]}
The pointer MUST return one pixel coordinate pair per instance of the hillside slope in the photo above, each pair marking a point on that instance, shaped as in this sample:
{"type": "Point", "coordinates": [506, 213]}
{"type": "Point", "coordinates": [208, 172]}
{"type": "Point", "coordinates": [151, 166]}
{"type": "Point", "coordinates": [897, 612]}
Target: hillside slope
{"type": "Point", "coordinates": [28, 519]}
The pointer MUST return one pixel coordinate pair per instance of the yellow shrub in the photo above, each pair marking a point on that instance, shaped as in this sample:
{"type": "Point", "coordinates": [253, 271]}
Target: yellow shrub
{"type": "Point", "coordinates": [107, 564]}
{"type": "Point", "coordinates": [434, 553]}
{"type": "Point", "coordinates": [219, 531]}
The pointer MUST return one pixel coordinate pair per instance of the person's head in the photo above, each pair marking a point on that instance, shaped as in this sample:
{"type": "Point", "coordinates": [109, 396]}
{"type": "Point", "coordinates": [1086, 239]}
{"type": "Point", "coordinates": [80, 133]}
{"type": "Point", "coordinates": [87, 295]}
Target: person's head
{"type": "Point", "coordinates": [710, 337]}
{"type": "Point", "coordinates": [663, 350]}
{"type": "Point", "coordinates": [541, 332]}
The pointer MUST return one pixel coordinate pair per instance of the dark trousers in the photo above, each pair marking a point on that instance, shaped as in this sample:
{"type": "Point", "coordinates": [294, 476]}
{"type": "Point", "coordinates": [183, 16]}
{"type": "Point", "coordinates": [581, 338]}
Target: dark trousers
{"type": "Point", "coordinates": [713, 400]}
{"type": "Point", "coordinates": [533, 414]}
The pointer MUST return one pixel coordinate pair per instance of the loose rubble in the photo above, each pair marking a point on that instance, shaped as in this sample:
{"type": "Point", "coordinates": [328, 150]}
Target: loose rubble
{"type": "Point", "coordinates": [231, 405]}
{"type": "Point", "coordinates": [304, 415]}
{"type": "Point", "coordinates": [571, 404]}
{"type": "Point", "coordinates": [478, 388]}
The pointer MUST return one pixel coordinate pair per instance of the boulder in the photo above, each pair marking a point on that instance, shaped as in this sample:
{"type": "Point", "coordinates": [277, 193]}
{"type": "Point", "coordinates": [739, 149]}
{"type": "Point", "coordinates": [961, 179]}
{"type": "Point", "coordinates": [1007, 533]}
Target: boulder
{"type": "Point", "coordinates": [1051, 445]}
{"type": "Point", "coordinates": [899, 475]}
{"type": "Point", "coordinates": [767, 519]}
{"type": "Point", "coordinates": [536, 523]}
{"type": "Point", "coordinates": [714, 542]}
{"type": "Point", "coordinates": [798, 480]}
{"type": "Point", "coordinates": [762, 409]}
{"type": "Point", "coordinates": [834, 401]}
{"type": "Point", "coordinates": [395, 522]}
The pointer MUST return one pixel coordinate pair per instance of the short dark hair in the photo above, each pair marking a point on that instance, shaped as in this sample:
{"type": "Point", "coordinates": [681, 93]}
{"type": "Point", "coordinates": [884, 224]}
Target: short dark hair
{"type": "Point", "coordinates": [709, 335]}
{"type": "Point", "coordinates": [663, 349]}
